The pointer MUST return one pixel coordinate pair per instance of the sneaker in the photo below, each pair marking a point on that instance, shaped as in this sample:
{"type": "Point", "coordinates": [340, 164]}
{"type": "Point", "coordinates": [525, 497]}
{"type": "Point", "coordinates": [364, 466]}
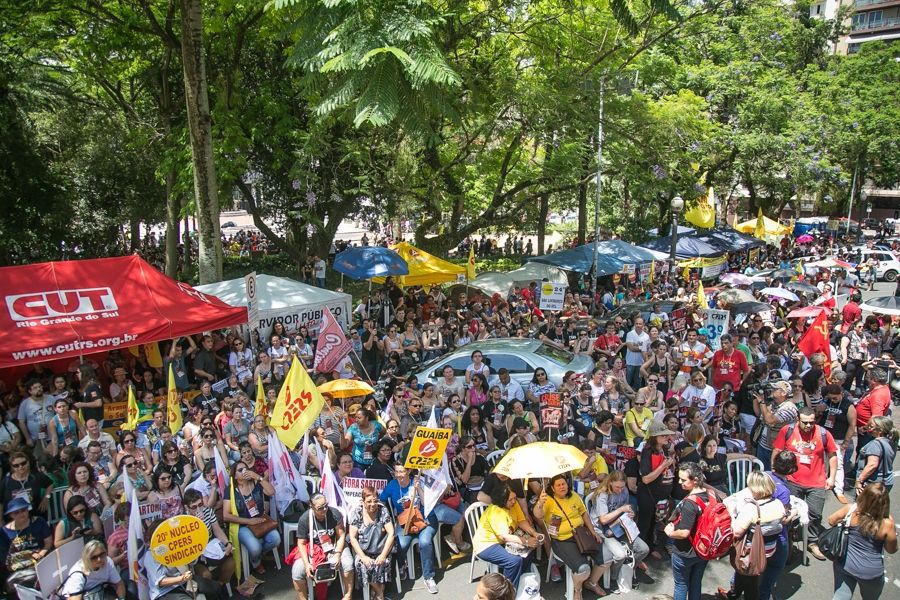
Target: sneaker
{"type": "Point", "coordinates": [465, 546]}
{"type": "Point", "coordinates": [431, 586]}
{"type": "Point", "coordinates": [451, 544]}
{"type": "Point", "coordinates": [555, 575]}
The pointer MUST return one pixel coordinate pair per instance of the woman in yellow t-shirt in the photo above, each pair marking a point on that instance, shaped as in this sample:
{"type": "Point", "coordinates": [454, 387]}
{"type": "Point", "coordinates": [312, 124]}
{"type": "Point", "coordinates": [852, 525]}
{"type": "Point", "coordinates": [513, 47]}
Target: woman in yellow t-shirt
{"type": "Point", "coordinates": [497, 528]}
{"type": "Point", "coordinates": [637, 420]}
{"type": "Point", "coordinates": [561, 512]}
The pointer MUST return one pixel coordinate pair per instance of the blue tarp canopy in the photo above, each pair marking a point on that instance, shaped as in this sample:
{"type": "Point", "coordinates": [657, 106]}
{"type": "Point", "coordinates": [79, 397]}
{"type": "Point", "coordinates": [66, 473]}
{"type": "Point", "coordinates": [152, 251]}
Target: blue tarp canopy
{"type": "Point", "coordinates": [686, 247]}
{"type": "Point", "coordinates": [729, 240]}
{"type": "Point", "coordinates": [580, 260]}
{"type": "Point", "coordinates": [625, 252]}
{"type": "Point", "coordinates": [682, 230]}
{"type": "Point", "coordinates": [365, 262]}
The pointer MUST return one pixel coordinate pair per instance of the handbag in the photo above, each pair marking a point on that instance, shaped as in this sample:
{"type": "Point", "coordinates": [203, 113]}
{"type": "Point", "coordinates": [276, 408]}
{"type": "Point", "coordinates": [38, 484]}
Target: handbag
{"type": "Point", "coordinates": [453, 500]}
{"type": "Point", "coordinates": [584, 539]}
{"type": "Point", "coordinates": [833, 542]}
{"type": "Point", "coordinates": [748, 557]}
{"type": "Point", "coordinates": [260, 530]}
{"type": "Point", "coordinates": [371, 539]}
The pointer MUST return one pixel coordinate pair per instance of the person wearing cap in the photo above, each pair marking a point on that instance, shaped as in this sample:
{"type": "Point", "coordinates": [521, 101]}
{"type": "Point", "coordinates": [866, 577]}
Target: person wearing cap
{"type": "Point", "coordinates": [657, 478]}
{"type": "Point", "coordinates": [25, 541]}
{"type": "Point", "coordinates": [775, 415]}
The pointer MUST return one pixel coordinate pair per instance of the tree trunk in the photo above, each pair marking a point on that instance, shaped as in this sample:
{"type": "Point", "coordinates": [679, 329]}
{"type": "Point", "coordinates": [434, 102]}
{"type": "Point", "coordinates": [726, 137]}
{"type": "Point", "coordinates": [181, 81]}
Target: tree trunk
{"type": "Point", "coordinates": [583, 196]}
{"type": "Point", "coordinates": [135, 233]}
{"type": "Point", "coordinates": [544, 206]}
{"type": "Point", "coordinates": [210, 253]}
{"type": "Point", "coordinates": [173, 231]}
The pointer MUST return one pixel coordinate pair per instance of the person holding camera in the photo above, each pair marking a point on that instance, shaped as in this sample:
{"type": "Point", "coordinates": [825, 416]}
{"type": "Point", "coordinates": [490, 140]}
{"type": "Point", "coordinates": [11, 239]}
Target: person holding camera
{"type": "Point", "coordinates": [322, 544]}
{"type": "Point", "coordinates": [776, 412]}
{"type": "Point", "coordinates": [814, 447]}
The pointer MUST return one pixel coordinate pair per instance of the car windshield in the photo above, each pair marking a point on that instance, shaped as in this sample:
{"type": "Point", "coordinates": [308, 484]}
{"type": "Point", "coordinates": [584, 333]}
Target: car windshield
{"type": "Point", "coordinates": [557, 355]}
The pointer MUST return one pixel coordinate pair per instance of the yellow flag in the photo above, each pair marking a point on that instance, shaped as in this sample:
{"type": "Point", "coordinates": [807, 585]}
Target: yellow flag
{"type": "Point", "coordinates": [470, 266]}
{"type": "Point", "coordinates": [131, 413]}
{"type": "Point", "coordinates": [151, 351]}
{"type": "Point", "coordinates": [233, 530]}
{"type": "Point", "coordinates": [703, 212]}
{"type": "Point", "coordinates": [297, 406]}
{"type": "Point", "coordinates": [652, 271]}
{"type": "Point", "coordinates": [760, 231]}
{"type": "Point", "coordinates": [173, 410]}
{"type": "Point", "coordinates": [261, 407]}
{"type": "Point", "coordinates": [701, 296]}
{"type": "Point", "coordinates": [686, 274]}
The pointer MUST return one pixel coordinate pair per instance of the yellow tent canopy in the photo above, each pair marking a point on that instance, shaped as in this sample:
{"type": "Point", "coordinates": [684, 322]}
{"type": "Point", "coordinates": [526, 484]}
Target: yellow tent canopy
{"type": "Point", "coordinates": [424, 268]}
{"type": "Point", "coordinates": [773, 228]}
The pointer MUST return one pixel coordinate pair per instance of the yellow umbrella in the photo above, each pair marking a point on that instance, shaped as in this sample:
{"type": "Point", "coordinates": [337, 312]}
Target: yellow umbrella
{"type": "Point", "coordinates": [540, 459]}
{"type": "Point", "coordinates": [346, 388]}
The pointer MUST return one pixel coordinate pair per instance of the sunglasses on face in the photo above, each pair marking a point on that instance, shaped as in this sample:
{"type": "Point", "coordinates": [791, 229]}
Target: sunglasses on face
{"type": "Point", "coordinates": [19, 465]}
{"type": "Point", "coordinates": [470, 446]}
{"type": "Point", "coordinates": [79, 511]}
{"type": "Point", "coordinates": [98, 556]}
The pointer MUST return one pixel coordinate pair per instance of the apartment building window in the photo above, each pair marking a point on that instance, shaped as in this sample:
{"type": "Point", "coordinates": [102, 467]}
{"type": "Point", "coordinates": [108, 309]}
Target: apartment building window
{"type": "Point", "coordinates": [868, 20]}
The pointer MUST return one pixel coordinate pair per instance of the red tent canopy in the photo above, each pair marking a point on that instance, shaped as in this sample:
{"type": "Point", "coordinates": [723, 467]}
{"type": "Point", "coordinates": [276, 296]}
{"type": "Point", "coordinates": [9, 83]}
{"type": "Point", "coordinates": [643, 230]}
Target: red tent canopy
{"type": "Point", "coordinates": [64, 309]}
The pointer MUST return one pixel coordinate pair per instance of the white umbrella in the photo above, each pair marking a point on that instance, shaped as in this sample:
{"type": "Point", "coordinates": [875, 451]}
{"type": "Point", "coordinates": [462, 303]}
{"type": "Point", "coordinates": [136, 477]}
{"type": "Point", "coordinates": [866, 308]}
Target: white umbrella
{"type": "Point", "coordinates": [780, 293]}
{"type": "Point", "coordinates": [736, 279]}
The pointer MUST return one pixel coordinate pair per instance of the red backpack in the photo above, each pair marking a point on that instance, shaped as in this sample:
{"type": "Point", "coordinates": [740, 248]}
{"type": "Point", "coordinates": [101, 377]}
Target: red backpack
{"type": "Point", "coordinates": [712, 537]}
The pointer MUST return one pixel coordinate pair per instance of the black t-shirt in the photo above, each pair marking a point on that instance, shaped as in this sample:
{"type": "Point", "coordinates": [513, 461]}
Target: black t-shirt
{"type": "Point", "coordinates": [92, 393]}
{"type": "Point", "coordinates": [715, 470]}
{"type": "Point", "coordinates": [492, 482]}
{"type": "Point", "coordinates": [33, 489]}
{"type": "Point", "coordinates": [206, 362]}
{"type": "Point", "coordinates": [324, 533]}
{"type": "Point", "coordinates": [371, 354]}
{"type": "Point", "coordinates": [685, 453]}
{"type": "Point", "coordinates": [685, 516]}
{"type": "Point", "coordinates": [633, 468]}
{"type": "Point", "coordinates": [494, 414]}
{"type": "Point", "coordinates": [745, 401]}
{"type": "Point", "coordinates": [207, 404]}
{"type": "Point", "coordinates": [379, 470]}
{"type": "Point", "coordinates": [661, 488]}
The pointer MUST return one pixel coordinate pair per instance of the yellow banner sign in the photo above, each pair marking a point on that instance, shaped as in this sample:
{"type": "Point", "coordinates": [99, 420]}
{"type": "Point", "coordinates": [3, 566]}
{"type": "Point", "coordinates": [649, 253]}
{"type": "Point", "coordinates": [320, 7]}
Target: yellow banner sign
{"type": "Point", "coordinates": [179, 541]}
{"type": "Point", "coordinates": [427, 448]}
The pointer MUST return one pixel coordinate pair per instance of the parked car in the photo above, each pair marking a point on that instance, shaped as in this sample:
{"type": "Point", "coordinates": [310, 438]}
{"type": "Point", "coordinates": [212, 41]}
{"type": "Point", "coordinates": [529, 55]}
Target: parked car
{"type": "Point", "coordinates": [520, 356]}
{"type": "Point", "coordinates": [628, 311]}
{"type": "Point", "coordinates": [888, 265]}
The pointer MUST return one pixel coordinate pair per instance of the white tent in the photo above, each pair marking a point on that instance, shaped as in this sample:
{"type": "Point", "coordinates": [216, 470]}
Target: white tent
{"type": "Point", "coordinates": [533, 271]}
{"type": "Point", "coordinates": [280, 299]}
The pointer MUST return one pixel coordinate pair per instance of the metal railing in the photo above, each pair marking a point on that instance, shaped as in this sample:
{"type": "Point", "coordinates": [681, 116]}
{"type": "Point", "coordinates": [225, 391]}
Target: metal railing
{"type": "Point", "coordinates": [879, 24]}
{"type": "Point", "coordinates": [864, 3]}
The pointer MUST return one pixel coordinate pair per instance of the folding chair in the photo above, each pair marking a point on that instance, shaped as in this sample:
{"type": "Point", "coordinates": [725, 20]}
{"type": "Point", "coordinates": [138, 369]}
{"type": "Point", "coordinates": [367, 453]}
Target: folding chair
{"type": "Point", "coordinates": [738, 469]}
{"type": "Point", "coordinates": [25, 593]}
{"type": "Point", "coordinates": [570, 581]}
{"type": "Point", "coordinates": [55, 509]}
{"type": "Point", "coordinates": [245, 560]}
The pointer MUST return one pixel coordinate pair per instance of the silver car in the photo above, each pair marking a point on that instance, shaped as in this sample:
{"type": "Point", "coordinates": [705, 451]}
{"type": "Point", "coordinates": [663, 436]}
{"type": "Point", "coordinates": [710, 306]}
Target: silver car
{"type": "Point", "coordinates": [520, 357]}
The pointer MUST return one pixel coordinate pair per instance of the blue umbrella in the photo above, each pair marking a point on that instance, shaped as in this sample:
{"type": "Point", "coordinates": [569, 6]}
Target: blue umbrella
{"type": "Point", "coordinates": [370, 261]}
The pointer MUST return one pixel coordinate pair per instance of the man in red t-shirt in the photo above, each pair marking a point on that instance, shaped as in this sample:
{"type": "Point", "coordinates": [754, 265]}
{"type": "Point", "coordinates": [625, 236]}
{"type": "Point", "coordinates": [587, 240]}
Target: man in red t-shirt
{"type": "Point", "coordinates": [873, 404]}
{"type": "Point", "coordinates": [728, 365]}
{"type": "Point", "coordinates": [812, 445]}
{"type": "Point", "coordinates": [851, 313]}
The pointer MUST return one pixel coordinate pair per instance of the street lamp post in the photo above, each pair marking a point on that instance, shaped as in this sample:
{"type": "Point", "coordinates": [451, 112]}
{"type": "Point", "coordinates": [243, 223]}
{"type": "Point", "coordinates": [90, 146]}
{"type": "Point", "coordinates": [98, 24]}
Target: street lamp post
{"type": "Point", "coordinates": [677, 204]}
{"type": "Point", "coordinates": [863, 196]}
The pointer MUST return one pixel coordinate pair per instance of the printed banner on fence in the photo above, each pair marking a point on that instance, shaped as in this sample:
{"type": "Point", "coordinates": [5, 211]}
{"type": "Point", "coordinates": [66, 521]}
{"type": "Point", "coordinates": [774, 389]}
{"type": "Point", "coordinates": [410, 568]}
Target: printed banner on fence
{"type": "Point", "coordinates": [353, 487]}
{"type": "Point", "coordinates": [427, 447]}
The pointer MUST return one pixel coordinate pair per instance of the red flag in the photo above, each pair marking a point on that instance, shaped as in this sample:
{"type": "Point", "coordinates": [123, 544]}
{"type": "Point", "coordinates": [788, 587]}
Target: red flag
{"type": "Point", "coordinates": [333, 345]}
{"type": "Point", "coordinates": [816, 340]}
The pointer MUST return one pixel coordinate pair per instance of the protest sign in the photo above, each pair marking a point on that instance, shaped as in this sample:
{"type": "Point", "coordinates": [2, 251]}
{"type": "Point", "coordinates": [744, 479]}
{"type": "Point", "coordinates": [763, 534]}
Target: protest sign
{"type": "Point", "coordinates": [179, 541]}
{"type": "Point", "coordinates": [551, 410]}
{"type": "Point", "coordinates": [716, 324]}
{"type": "Point", "coordinates": [427, 447]}
{"type": "Point", "coordinates": [552, 296]}
{"type": "Point", "coordinates": [353, 487]}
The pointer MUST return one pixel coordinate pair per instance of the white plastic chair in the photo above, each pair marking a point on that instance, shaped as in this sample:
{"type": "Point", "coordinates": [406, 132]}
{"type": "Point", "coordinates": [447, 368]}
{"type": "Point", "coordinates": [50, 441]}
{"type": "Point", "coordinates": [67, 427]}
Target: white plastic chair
{"type": "Point", "coordinates": [289, 530]}
{"type": "Point", "coordinates": [494, 457]}
{"type": "Point", "coordinates": [738, 469]}
{"type": "Point", "coordinates": [245, 560]}
{"type": "Point", "coordinates": [570, 581]}
{"type": "Point", "coordinates": [25, 593]}
{"type": "Point", "coordinates": [473, 518]}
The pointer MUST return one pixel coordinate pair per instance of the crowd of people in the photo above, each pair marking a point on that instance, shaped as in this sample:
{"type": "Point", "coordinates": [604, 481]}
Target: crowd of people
{"type": "Point", "coordinates": [658, 418]}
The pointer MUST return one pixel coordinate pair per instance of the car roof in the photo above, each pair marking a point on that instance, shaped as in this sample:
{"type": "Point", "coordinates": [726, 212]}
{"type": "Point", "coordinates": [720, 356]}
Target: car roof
{"type": "Point", "coordinates": [501, 345]}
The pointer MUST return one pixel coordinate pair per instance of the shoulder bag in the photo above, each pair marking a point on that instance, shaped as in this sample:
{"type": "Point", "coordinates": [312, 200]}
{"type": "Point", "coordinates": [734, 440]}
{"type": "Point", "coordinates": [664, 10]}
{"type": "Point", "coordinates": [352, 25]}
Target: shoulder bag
{"type": "Point", "coordinates": [833, 542]}
{"type": "Point", "coordinates": [260, 530]}
{"type": "Point", "coordinates": [584, 539]}
{"type": "Point", "coordinates": [748, 557]}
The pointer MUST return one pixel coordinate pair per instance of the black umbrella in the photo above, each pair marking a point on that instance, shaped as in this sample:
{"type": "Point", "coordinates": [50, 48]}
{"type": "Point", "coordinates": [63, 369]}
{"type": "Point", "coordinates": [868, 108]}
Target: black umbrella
{"type": "Point", "coordinates": [802, 287]}
{"type": "Point", "coordinates": [748, 308]}
{"type": "Point", "coordinates": [885, 305]}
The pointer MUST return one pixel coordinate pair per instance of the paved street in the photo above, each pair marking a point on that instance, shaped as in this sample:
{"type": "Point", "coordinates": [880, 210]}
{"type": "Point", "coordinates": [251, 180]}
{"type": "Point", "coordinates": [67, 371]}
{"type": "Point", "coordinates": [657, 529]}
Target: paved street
{"type": "Point", "coordinates": [813, 582]}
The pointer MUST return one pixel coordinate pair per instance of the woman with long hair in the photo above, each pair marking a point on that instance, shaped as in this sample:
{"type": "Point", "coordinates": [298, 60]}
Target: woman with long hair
{"type": "Point", "coordinates": [495, 586]}
{"type": "Point", "coordinates": [612, 506]}
{"type": "Point", "coordinates": [79, 522]}
{"type": "Point", "coordinates": [477, 393]}
{"type": "Point", "coordinates": [872, 533]}
{"type": "Point", "coordinates": [167, 494]}
{"type": "Point", "coordinates": [471, 426]}
{"type": "Point", "coordinates": [172, 462]}
{"type": "Point", "coordinates": [250, 492]}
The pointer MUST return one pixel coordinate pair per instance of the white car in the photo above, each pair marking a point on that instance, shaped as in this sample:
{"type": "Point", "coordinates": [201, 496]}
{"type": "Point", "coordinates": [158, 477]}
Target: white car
{"type": "Point", "coordinates": [888, 266]}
